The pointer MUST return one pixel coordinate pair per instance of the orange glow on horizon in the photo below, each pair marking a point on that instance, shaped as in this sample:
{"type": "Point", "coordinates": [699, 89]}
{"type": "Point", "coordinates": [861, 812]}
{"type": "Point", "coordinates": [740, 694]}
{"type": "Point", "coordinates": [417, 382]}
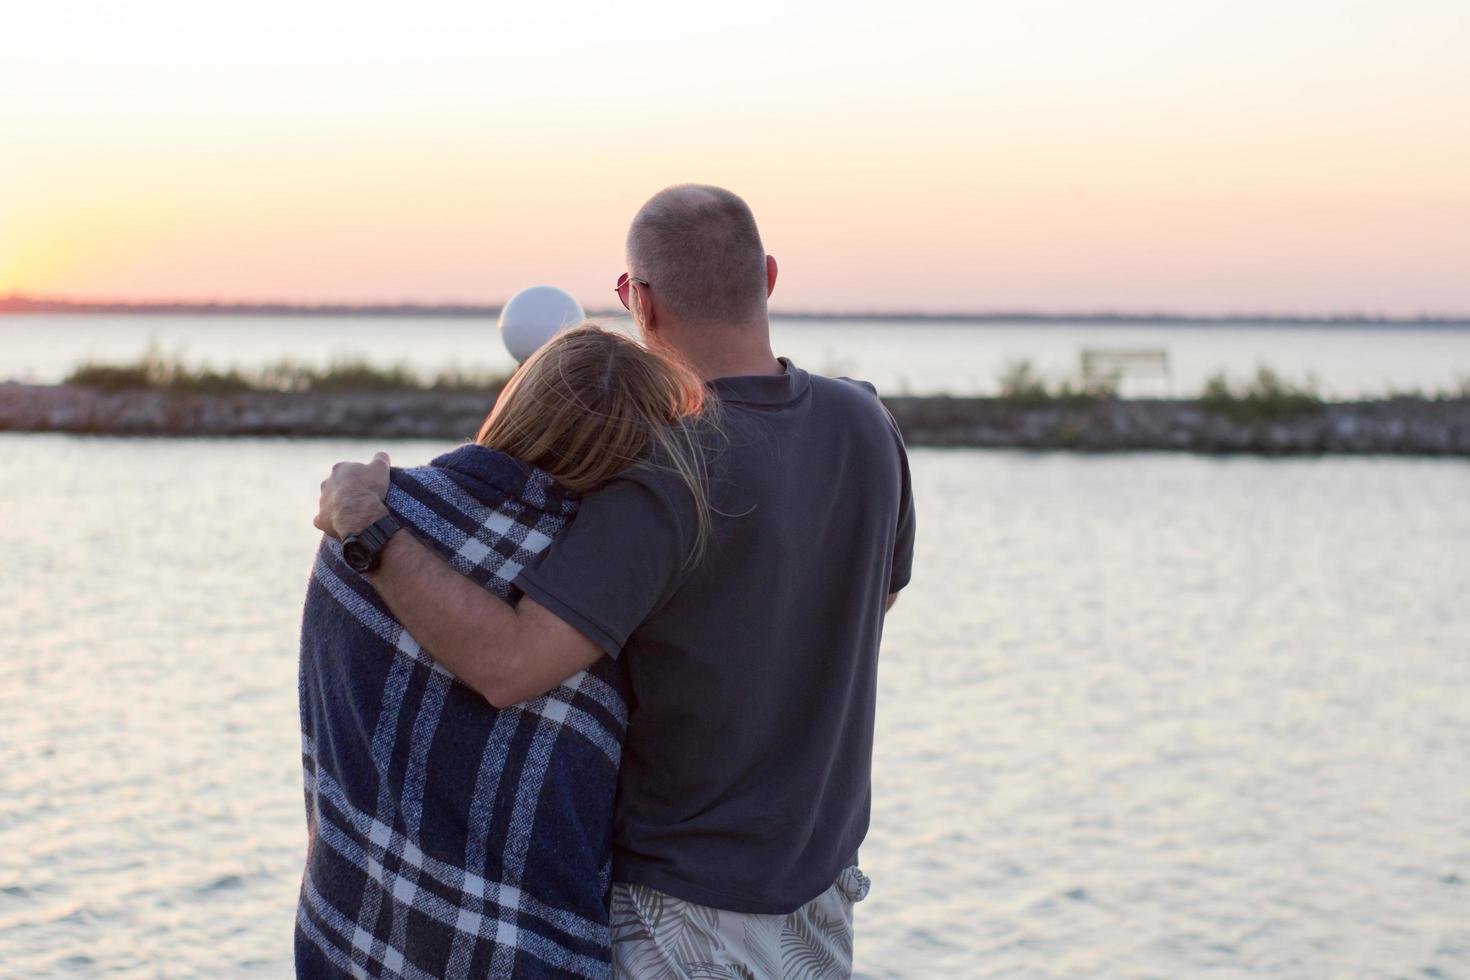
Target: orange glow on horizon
{"type": "Point", "coordinates": [1269, 159]}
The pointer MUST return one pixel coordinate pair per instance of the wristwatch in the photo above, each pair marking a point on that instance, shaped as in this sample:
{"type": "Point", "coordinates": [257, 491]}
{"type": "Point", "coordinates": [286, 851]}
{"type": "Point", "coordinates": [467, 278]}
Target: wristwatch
{"type": "Point", "coordinates": [362, 551]}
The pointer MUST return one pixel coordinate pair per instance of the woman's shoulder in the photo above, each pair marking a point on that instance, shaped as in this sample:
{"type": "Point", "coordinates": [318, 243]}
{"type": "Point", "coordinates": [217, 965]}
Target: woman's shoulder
{"type": "Point", "coordinates": [489, 473]}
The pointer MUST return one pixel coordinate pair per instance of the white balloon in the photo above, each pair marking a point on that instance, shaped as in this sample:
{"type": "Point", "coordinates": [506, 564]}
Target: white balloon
{"type": "Point", "coordinates": [534, 315]}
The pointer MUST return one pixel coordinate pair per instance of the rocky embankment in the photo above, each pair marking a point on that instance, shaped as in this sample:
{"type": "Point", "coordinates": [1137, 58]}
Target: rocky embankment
{"type": "Point", "coordinates": [1412, 426]}
{"type": "Point", "coordinates": [1404, 426]}
{"type": "Point", "coordinates": [399, 414]}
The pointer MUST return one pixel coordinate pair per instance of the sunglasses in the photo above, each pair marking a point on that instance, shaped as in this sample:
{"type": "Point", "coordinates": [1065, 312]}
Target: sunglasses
{"type": "Point", "coordinates": [625, 282]}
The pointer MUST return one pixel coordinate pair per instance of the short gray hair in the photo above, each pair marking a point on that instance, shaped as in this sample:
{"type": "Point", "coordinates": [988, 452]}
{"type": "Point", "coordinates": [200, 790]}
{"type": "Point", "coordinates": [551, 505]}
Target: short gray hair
{"type": "Point", "coordinates": [701, 252]}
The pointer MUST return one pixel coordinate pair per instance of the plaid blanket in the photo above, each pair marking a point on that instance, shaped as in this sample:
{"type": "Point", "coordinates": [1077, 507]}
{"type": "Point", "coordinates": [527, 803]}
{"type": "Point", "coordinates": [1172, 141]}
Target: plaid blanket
{"type": "Point", "coordinates": [446, 838]}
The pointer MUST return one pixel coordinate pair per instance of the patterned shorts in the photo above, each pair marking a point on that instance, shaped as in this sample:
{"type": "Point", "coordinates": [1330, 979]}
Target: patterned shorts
{"type": "Point", "coordinates": [659, 936]}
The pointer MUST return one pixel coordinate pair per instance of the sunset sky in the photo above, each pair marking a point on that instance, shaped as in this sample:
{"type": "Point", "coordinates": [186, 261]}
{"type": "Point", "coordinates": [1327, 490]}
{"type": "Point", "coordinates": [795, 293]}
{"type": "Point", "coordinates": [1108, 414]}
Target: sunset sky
{"type": "Point", "coordinates": [1276, 156]}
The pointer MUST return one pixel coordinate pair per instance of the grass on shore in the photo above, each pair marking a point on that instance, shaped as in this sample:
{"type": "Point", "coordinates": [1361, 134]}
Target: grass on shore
{"type": "Point", "coordinates": [1022, 386]}
{"type": "Point", "coordinates": [1460, 392]}
{"type": "Point", "coordinates": [1267, 396]}
{"type": "Point", "coordinates": [157, 370]}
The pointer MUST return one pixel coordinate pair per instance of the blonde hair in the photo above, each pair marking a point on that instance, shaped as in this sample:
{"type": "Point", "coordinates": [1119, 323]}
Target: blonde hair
{"type": "Point", "coordinates": [592, 403]}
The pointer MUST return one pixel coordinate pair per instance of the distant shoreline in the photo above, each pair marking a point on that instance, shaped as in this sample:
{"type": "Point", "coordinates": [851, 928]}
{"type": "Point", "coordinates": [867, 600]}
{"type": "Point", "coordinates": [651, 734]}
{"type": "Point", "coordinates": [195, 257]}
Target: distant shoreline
{"type": "Point", "coordinates": [34, 305]}
{"type": "Point", "coordinates": [1401, 426]}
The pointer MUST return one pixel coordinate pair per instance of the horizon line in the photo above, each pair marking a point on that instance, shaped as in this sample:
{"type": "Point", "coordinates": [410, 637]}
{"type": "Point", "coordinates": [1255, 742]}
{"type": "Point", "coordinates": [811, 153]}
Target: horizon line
{"type": "Point", "coordinates": [17, 302]}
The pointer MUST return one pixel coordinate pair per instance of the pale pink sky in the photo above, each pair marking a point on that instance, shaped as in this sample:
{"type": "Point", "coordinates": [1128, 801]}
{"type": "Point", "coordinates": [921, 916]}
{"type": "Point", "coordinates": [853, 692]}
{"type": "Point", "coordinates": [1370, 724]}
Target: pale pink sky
{"type": "Point", "coordinates": [1258, 156]}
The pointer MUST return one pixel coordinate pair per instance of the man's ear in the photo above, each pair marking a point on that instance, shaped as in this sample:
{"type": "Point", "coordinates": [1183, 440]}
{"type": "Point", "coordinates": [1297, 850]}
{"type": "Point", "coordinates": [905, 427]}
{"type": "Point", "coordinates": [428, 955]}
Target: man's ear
{"type": "Point", "coordinates": [643, 312]}
{"type": "Point", "coordinates": [770, 274]}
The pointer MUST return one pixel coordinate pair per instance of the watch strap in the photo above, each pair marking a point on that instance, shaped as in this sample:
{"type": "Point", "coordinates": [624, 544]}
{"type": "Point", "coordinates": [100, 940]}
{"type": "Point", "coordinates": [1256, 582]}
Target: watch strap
{"type": "Point", "coordinates": [378, 532]}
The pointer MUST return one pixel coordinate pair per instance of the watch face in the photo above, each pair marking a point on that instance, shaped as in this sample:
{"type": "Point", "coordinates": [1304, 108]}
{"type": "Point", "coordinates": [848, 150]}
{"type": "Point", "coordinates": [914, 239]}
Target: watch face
{"type": "Point", "coordinates": [357, 555]}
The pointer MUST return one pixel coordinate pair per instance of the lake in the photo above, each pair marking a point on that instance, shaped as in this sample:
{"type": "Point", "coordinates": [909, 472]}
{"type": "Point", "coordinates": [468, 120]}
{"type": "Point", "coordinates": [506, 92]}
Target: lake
{"type": "Point", "coordinates": [918, 357]}
{"type": "Point", "coordinates": [1140, 715]}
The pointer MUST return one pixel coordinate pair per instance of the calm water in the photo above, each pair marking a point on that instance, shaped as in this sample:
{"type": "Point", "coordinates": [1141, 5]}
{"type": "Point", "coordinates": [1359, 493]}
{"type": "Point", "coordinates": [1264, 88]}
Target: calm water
{"type": "Point", "coordinates": [1141, 716]}
{"type": "Point", "coordinates": [898, 356]}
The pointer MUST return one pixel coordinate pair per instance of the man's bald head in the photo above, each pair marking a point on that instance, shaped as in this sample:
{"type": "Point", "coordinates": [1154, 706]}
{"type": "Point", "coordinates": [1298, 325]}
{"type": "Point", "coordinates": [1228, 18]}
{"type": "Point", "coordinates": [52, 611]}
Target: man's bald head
{"type": "Point", "coordinates": [699, 248]}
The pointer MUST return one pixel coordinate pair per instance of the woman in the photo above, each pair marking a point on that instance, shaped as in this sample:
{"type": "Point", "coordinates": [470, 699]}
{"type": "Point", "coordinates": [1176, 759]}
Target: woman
{"type": "Point", "coordinates": [446, 837]}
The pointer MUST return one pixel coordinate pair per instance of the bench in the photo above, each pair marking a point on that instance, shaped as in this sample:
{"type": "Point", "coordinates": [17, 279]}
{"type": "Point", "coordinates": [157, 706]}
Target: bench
{"type": "Point", "coordinates": [1106, 367]}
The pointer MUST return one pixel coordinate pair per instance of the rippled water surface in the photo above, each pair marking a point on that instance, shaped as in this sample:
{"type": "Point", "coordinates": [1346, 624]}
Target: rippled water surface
{"type": "Point", "coordinates": [1154, 715]}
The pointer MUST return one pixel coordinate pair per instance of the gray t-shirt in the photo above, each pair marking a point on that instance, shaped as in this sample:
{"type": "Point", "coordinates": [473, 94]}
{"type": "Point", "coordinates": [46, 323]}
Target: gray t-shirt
{"type": "Point", "coordinates": [745, 782]}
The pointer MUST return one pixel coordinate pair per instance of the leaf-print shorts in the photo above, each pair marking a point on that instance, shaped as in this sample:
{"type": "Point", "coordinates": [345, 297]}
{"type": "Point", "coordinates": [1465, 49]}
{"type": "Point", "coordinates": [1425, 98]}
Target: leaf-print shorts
{"type": "Point", "coordinates": [659, 937]}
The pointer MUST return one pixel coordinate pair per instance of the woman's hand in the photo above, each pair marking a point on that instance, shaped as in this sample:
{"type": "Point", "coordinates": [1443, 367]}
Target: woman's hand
{"type": "Point", "coordinates": [352, 496]}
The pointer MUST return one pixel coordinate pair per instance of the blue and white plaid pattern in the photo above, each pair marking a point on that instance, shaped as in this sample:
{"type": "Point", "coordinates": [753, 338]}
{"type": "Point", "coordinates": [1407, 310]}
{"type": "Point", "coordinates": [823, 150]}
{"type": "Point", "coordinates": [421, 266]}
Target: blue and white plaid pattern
{"type": "Point", "coordinates": [446, 838]}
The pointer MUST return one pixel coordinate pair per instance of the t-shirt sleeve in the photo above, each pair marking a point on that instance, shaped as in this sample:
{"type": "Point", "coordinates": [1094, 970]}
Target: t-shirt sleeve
{"type": "Point", "coordinates": [622, 557]}
{"type": "Point", "coordinates": [903, 542]}
{"type": "Point", "coordinates": [903, 546]}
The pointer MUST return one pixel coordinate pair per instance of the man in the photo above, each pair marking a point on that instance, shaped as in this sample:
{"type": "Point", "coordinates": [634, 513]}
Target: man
{"type": "Point", "coordinates": [745, 785]}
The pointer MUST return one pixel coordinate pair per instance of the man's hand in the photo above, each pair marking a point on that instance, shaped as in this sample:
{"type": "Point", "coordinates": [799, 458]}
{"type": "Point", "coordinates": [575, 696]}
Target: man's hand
{"type": "Point", "coordinates": [352, 496]}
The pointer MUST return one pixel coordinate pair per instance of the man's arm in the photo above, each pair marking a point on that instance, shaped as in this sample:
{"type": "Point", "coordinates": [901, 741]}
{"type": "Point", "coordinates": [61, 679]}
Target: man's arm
{"type": "Point", "coordinates": [508, 654]}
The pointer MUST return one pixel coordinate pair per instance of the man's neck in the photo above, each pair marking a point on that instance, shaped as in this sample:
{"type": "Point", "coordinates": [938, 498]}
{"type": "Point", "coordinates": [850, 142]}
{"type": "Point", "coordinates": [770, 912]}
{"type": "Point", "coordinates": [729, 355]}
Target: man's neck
{"type": "Point", "coordinates": [712, 367]}
{"type": "Point", "coordinates": [729, 354]}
